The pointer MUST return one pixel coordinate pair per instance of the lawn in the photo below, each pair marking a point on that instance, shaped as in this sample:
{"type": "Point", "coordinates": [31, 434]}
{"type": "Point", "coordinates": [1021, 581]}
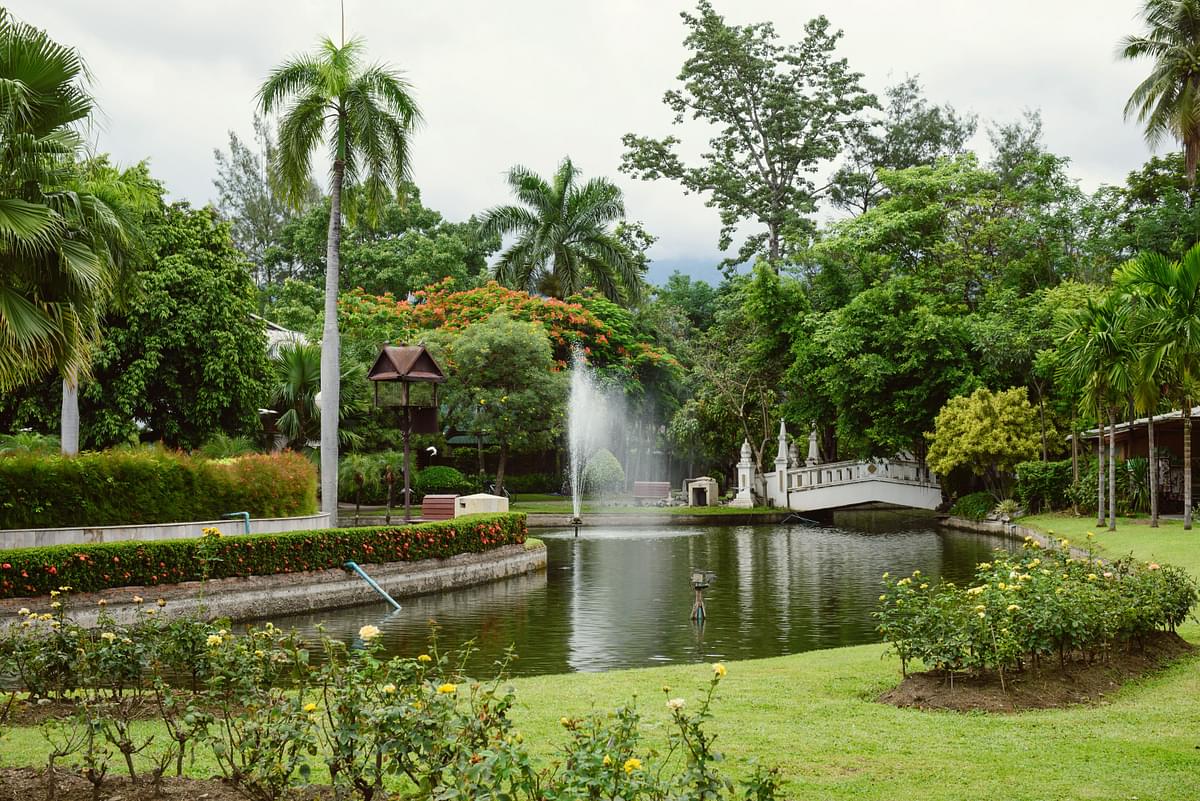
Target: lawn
{"type": "Point", "coordinates": [814, 715]}
{"type": "Point", "coordinates": [557, 504]}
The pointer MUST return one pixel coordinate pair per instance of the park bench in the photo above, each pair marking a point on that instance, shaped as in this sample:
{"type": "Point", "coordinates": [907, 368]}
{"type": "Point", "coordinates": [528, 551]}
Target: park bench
{"type": "Point", "coordinates": [651, 491]}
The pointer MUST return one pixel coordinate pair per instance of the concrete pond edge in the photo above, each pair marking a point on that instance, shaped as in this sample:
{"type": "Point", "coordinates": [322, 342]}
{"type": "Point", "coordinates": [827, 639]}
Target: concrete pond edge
{"type": "Point", "coordinates": [263, 597]}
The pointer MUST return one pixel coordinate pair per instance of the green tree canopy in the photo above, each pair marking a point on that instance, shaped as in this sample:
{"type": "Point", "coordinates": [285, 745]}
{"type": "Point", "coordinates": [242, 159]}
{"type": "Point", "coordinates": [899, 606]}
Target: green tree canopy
{"type": "Point", "coordinates": [781, 113]}
{"type": "Point", "coordinates": [502, 384]}
{"type": "Point", "coordinates": [987, 432]}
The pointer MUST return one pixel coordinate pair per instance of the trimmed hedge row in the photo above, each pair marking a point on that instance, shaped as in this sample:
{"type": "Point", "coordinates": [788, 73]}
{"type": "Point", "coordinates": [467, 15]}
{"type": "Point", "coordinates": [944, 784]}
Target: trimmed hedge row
{"type": "Point", "coordinates": [150, 485]}
{"type": "Point", "coordinates": [88, 568]}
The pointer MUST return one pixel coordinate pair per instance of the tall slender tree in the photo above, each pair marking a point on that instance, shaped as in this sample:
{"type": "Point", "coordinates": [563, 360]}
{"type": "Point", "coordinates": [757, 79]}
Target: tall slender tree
{"type": "Point", "coordinates": [1170, 291]}
{"type": "Point", "coordinates": [564, 239]}
{"type": "Point", "coordinates": [1167, 102]}
{"type": "Point", "coordinates": [365, 114]}
{"type": "Point", "coordinates": [1099, 357]}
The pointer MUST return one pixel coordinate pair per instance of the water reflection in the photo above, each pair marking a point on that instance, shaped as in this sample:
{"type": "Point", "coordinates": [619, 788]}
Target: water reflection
{"type": "Point", "coordinates": [616, 598]}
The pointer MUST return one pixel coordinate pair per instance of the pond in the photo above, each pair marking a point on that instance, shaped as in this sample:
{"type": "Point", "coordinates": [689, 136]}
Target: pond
{"type": "Point", "coordinates": [621, 597]}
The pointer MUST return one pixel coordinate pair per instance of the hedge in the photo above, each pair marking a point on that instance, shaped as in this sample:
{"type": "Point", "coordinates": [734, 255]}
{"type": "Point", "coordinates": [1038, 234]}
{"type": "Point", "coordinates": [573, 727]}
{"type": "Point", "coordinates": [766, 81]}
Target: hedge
{"type": "Point", "coordinates": [150, 485]}
{"type": "Point", "coordinates": [1043, 485]}
{"type": "Point", "coordinates": [441, 480]}
{"type": "Point", "coordinates": [975, 506]}
{"type": "Point", "coordinates": [147, 563]}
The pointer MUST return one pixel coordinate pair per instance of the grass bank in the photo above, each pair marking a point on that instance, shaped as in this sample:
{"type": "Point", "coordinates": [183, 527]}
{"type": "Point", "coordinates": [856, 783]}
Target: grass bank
{"type": "Point", "coordinates": [557, 504]}
{"type": "Point", "coordinates": [814, 714]}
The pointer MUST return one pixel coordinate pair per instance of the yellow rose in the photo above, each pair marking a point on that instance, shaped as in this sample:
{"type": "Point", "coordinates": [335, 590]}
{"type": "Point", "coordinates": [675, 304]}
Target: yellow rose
{"type": "Point", "coordinates": [424, 658]}
{"type": "Point", "coordinates": [632, 764]}
{"type": "Point", "coordinates": [447, 688]}
{"type": "Point", "coordinates": [310, 707]}
{"type": "Point", "coordinates": [389, 688]}
{"type": "Point", "coordinates": [607, 760]}
{"type": "Point", "coordinates": [368, 633]}
{"type": "Point", "coordinates": [719, 670]}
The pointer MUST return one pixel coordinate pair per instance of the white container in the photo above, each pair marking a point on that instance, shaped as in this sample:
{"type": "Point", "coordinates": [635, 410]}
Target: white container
{"type": "Point", "coordinates": [480, 503]}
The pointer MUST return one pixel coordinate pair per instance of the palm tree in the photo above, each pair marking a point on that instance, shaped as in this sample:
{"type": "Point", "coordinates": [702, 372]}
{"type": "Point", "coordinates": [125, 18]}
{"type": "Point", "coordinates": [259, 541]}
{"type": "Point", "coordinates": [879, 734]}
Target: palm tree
{"type": "Point", "coordinates": [1098, 357]}
{"type": "Point", "coordinates": [62, 246]}
{"type": "Point", "coordinates": [366, 116]}
{"type": "Point", "coordinates": [297, 367]}
{"type": "Point", "coordinates": [1170, 293]}
{"type": "Point", "coordinates": [1167, 102]}
{"type": "Point", "coordinates": [564, 242]}
{"type": "Point", "coordinates": [126, 196]}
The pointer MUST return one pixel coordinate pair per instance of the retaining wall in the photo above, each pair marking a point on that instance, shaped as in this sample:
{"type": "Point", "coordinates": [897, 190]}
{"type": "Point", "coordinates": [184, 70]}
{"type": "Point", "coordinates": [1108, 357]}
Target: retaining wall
{"type": "Point", "coordinates": [1012, 531]}
{"type": "Point", "coordinates": [259, 597]}
{"type": "Point", "coordinates": [34, 537]}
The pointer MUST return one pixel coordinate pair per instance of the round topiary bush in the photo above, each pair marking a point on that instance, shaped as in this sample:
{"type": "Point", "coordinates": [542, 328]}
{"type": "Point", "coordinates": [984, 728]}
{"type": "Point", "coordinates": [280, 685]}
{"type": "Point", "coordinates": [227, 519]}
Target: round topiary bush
{"type": "Point", "coordinates": [603, 474]}
{"type": "Point", "coordinates": [441, 480]}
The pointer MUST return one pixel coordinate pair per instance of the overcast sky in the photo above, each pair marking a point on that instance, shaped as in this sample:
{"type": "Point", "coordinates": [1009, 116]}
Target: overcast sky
{"type": "Point", "coordinates": [530, 81]}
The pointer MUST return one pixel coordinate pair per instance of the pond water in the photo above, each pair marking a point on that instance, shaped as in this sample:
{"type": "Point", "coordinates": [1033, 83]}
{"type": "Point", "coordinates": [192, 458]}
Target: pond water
{"type": "Point", "coordinates": [622, 597]}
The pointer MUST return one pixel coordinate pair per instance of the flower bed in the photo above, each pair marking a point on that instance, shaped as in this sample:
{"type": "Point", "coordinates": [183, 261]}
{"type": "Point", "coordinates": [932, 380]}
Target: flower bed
{"type": "Point", "coordinates": [268, 708]}
{"type": "Point", "coordinates": [88, 568]}
{"type": "Point", "coordinates": [1034, 605]}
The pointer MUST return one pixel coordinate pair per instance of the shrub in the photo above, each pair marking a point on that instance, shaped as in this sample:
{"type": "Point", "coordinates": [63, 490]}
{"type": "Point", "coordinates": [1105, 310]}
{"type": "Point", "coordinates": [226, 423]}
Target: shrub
{"type": "Point", "coordinates": [1031, 605]}
{"type": "Point", "coordinates": [975, 506]}
{"type": "Point", "coordinates": [87, 568]}
{"type": "Point", "coordinates": [266, 715]}
{"type": "Point", "coordinates": [1043, 485]}
{"type": "Point", "coordinates": [603, 475]}
{"type": "Point", "coordinates": [534, 482]}
{"type": "Point", "coordinates": [150, 485]}
{"type": "Point", "coordinates": [440, 480]}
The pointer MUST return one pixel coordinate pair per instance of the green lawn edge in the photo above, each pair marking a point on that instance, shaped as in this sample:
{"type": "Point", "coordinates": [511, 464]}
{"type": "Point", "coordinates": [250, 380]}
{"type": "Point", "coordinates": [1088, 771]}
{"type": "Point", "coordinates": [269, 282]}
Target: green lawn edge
{"type": "Point", "coordinates": [814, 715]}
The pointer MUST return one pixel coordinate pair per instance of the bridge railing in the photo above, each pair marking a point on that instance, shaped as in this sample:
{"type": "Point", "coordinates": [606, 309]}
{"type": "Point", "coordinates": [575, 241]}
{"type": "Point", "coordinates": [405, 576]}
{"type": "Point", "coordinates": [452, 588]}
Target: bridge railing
{"type": "Point", "coordinates": [848, 472]}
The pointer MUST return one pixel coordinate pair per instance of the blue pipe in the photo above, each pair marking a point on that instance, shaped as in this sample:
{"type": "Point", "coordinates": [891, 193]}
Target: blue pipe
{"type": "Point", "coordinates": [371, 582]}
{"type": "Point", "coordinates": [245, 519]}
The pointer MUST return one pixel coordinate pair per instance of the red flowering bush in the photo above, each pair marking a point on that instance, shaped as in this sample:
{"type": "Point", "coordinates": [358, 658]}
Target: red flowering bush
{"type": "Point", "coordinates": [601, 328]}
{"type": "Point", "coordinates": [87, 568]}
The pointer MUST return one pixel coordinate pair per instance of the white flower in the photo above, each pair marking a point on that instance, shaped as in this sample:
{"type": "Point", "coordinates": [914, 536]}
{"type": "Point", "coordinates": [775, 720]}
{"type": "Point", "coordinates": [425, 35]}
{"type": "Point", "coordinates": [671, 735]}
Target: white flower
{"type": "Point", "coordinates": [675, 704]}
{"type": "Point", "coordinates": [368, 633]}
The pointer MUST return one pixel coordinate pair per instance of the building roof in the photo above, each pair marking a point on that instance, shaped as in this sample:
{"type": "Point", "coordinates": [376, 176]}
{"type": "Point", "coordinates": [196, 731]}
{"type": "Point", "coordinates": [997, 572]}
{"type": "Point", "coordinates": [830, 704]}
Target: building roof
{"type": "Point", "coordinates": [405, 363]}
{"type": "Point", "coordinates": [1121, 428]}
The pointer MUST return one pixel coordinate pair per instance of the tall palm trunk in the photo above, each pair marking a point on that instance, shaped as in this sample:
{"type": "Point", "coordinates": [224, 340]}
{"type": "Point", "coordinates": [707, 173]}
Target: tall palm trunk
{"type": "Point", "coordinates": [1153, 470]}
{"type": "Point", "coordinates": [1187, 463]}
{"type": "Point", "coordinates": [331, 350]}
{"type": "Point", "coordinates": [69, 433]}
{"type": "Point", "coordinates": [1112, 470]}
{"type": "Point", "coordinates": [1100, 474]}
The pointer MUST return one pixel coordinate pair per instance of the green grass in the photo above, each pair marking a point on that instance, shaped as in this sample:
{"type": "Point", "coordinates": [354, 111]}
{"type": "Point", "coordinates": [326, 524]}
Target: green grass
{"type": "Point", "coordinates": [557, 504]}
{"type": "Point", "coordinates": [814, 715]}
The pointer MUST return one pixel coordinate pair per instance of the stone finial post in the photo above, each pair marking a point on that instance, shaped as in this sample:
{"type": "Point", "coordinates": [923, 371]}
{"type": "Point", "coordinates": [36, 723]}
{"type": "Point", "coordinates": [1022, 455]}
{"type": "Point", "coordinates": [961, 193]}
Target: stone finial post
{"type": "Point", "coordinates": [745, 493]}
{"type": "Point", "coordinates": [780, 488]}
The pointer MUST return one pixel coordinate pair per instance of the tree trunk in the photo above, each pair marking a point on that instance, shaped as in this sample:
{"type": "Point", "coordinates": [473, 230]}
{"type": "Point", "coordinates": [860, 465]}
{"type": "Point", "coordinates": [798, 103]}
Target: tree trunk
{"type": "Point", "coordinates": [1153, 470]}
{"type": "Point", "coordinates": [1187, 464]}
{"type": "Point", "coordinates": [1042, 419]}
{"type": "Point", "coordinates": [331, 350]}
{"type": "Point", "coordinates": [1112, 470]}
{"type": "Point", "coordinates": [500, 468]}
{"type": "Point", "coordinates": [1100, 472]}
{"type": "Point", "coordinates": [69, 433]}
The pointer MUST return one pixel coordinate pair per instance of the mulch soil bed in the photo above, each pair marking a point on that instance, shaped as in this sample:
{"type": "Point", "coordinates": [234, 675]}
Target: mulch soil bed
{"type": "Point", "coordinates": [29, 784]}
{"type": "Point", "coordinates": [1048, 688]}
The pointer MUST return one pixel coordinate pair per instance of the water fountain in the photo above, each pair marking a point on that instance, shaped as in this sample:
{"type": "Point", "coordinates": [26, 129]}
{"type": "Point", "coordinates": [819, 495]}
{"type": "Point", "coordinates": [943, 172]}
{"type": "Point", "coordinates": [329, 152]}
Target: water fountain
{"type": "Point", "coordinates": [591, 411]}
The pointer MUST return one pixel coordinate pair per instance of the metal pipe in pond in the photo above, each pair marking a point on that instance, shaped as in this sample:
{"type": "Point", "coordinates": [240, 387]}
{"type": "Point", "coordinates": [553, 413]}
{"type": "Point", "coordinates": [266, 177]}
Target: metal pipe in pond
{"type": "Point", "coordinates": [371, 582]}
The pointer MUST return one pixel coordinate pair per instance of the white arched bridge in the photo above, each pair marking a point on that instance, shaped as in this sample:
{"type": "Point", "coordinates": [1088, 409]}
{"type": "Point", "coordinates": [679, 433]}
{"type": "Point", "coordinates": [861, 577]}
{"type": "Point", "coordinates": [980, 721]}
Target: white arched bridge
{"type": "Point", "coordinates": [812, 485]}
